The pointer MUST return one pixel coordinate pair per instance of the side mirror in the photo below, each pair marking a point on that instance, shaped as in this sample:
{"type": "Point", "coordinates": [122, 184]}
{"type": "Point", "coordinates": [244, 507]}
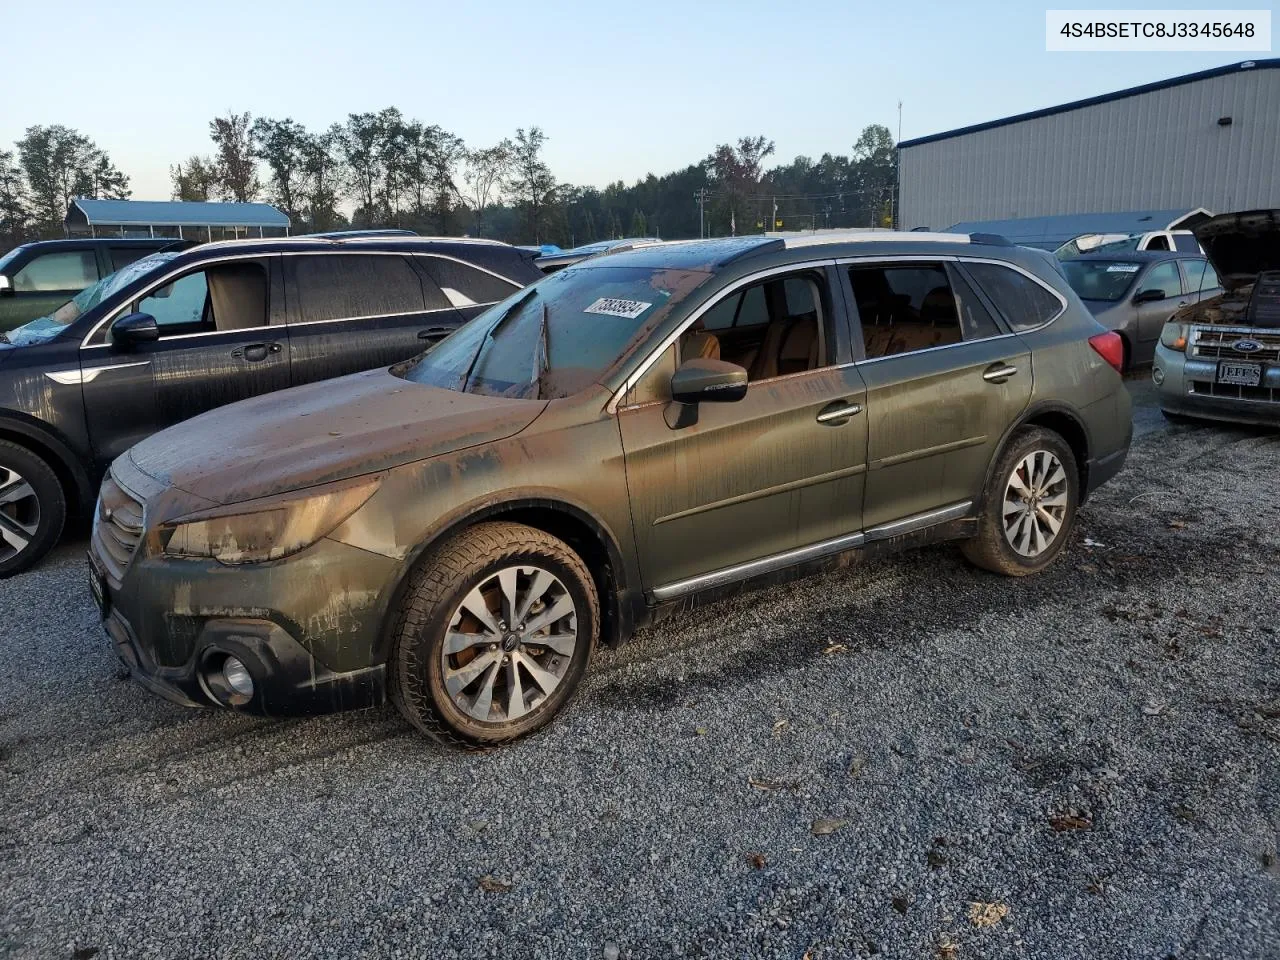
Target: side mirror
{"type": "Point", "coordinates": [702, 380]}
{"type": "Point", "coordinates": [1148, 296]}
{"type": "Point", "coordinates": [133, 329]}
{"type": "Point", "coordinates": [6, 286]}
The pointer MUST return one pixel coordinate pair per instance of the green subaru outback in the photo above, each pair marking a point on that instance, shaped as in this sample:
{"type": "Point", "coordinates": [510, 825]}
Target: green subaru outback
{"type": "Point", "coordinates": [641, 429]}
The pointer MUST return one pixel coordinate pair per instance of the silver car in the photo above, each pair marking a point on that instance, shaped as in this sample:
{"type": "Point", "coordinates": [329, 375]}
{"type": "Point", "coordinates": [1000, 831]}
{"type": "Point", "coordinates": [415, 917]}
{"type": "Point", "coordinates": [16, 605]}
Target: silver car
{"type": "Point", "coordinates": [1220, 358]}
{"type": "Point", "coordinates": [1134, 292]}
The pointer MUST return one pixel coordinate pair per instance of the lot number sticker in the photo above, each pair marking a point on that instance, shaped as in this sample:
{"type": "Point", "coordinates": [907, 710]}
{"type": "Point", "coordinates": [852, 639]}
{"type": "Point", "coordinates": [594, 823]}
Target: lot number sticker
{"type": "Point", "coordinates": [1123, 268]}
{"type": "Point", "coordinates": [613, 307]}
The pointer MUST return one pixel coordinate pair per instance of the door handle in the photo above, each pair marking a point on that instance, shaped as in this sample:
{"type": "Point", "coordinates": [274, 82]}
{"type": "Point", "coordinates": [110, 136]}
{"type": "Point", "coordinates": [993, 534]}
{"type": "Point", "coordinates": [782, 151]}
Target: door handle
{"type": "Point", "coordinates": [255, 352]}
{"type": "Point", "coordinates": [839, 412]}
{"type": "Point", "coordinates": [431, 333]}
{"type": "Point", "coordinates": [999, 372]}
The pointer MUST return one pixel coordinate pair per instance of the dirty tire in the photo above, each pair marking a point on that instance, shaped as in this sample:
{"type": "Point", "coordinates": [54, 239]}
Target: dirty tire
{"type": "Point", "coordinates": [991, 548]}
{"type": "Point", "coordinates": [445, 577]}
{"type": "Point", "coordinates": [33, 508]}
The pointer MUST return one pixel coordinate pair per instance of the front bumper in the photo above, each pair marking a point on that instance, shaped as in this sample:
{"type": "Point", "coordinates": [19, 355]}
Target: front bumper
{"type": "Point", "coordinates": [309, 628]}
{"type": "Point", "coordinates": [1181, 384]}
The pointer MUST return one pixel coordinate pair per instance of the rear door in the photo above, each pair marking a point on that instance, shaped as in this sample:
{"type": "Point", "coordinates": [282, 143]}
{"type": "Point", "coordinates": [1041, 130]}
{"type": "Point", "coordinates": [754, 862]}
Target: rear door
{"type": "Point", "coordinates": [944, 380]}
{"type": "Point", "coordinates": [222, 339]}
{"type": "Point", "coordinates": [356, 311]}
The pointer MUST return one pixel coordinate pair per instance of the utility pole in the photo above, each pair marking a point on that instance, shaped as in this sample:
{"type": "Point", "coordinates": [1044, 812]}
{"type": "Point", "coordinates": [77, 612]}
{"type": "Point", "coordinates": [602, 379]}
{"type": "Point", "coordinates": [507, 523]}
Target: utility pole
{"type": "Point", "coordinates": [897, 174]}
{"type": "Point", "coordinates": [701, 196]}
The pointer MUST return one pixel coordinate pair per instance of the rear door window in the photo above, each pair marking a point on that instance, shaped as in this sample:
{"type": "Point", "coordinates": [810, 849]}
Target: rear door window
{"type": "Point", "coordinates": [69, 271]}
{"type": "Point", "coordinates": [465, 285]}
{"type": "Point", "coordinates": [123, 256]}
{"type": "Point", "coordinates": [904, 308]}
{"type": "Point", "coordinates": [1024, 303]}
{"type": "Point", "coordinates": [347, 286]}
{"type": "Point", "coordinates": [1200, 276]}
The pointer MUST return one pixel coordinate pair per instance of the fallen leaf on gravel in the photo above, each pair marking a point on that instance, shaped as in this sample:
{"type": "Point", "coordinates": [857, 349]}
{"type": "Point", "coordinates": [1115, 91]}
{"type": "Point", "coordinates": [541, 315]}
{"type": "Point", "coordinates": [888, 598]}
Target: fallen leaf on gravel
{"type": "Point", "coordinates": [779, 727]}
{"type": "Point", "coordinates": [1062, 822]}
{"type": "Point", "coordinates": [836, 648]}
{"type": "Point", "coordinates": [701, 731]}
{"type": "Point", "coordinates": [1086, 568]}
{"type": "Point", "coordinates": [987, 914]}
{"type": "Point", "coordinates": [859, 764]}
{"type": "Point", "coordinates": [1153, 709]}
{"type": "Point", "coordinates": [1270, 862]}
{"type": "Point", "coordinates": [823, 826]}
{"type": "Point", "coordinates": [1090, 542]}
{"type": "Point", "coordinates": [900, 903]}
{"type": "Point", "coordinates": [1177, 524]}
{"type": "Point", "coordinates": [936, 860]}
{"type": "Point", "coordinates": [756, 860]}
{"type": "Point", "coordinates": [84, 953]}
{"type": "Point", "coordinates": [768, 784]}
{"type": "Point", "coordinates": [491, 884]}
{"type": "Point", "coordinates": [946, 948]}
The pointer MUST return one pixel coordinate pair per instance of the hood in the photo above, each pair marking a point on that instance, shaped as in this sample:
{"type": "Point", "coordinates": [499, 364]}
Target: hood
{"type": "Point", "coordinates": [1241, 245]}
{"type": "Point", "coordinates": [323, 432]}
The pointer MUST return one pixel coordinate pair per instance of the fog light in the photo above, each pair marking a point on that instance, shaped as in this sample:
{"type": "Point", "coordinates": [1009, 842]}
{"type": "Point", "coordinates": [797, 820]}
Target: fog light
{"type": "Point", "coordinates": [1157, 376]}
{"type": "Point", "coordinates": [237, 677]}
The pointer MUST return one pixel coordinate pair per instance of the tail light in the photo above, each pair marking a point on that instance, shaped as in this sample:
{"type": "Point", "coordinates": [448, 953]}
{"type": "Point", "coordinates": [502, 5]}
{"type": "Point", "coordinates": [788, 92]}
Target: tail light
{"type": "Point", "coordinates": [1110, 347]}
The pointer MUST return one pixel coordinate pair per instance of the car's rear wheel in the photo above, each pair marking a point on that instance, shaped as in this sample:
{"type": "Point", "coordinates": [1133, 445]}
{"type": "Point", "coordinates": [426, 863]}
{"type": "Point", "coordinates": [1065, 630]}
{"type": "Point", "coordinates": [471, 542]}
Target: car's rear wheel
{"type": "Point", "coordinates": [33, 508]}
{"type": "Point", "coordinates": [494, 635]}
{"type": "Point", "coordinates": [1029, 506]}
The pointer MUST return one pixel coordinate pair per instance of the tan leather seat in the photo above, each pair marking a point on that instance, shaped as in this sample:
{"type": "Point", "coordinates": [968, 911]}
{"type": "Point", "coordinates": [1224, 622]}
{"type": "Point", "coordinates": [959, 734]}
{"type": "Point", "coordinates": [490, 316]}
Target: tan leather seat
{"type": "Point", "coordinates": [704, 346]}
{"type": "Point", "coordinates": [799, 350]}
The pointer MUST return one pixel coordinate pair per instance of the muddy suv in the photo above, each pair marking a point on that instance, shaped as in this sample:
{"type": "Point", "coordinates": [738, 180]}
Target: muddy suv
{"type": "Point", "coordinates": [1219, 359]}
{"type": "Point", "coordinates": [636, 431]}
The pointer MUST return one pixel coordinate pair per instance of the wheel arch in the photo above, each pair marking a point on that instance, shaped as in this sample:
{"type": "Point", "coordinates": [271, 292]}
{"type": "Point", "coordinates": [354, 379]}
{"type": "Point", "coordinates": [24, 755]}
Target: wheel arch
{"type": "Point", "coordinates": [575, 524]}
{"type": "Point", "coordinates": [1062, 420]}
{"type": "Point", "coordinates": [70, 470]}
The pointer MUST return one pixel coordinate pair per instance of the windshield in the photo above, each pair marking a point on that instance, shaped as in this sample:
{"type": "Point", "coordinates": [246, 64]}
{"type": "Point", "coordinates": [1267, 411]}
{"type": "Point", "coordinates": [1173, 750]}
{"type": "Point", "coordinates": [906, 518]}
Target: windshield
{"type": "Point", "coordinates": [557, 337]}
{"type": "Point", "coordinates": [1100, 279]}
{"type": "Point", "coordinates": [48, 327]}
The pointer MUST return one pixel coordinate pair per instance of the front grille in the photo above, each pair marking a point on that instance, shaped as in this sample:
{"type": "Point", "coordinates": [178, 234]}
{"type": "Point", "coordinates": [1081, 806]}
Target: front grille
{"type": "Point", "coordinates": [1231, 391]}
{"type": "Point", "coordinates": [1214, 344]}
{"type": "Point", "coordinates": [117, 528]}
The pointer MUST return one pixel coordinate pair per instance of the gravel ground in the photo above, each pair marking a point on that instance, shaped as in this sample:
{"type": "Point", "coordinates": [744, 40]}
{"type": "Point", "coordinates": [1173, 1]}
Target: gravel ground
{"type": "Point", "coordinates": [1091, 757]}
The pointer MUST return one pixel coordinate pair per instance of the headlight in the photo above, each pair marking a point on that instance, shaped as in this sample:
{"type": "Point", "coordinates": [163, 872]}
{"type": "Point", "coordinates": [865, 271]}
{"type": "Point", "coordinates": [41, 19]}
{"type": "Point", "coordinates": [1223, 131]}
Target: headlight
{"type": "Point", "coordinates": [1174, 336]}
{"type": "Point", "coordinates": [266, 529]}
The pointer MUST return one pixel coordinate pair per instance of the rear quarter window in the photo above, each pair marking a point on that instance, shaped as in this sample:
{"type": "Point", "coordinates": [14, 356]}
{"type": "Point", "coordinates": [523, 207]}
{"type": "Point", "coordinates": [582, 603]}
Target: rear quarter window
{"type": "Point", "coordinates": [464, 284]}
{"type": "Point", "coordinates": [1024, 303]}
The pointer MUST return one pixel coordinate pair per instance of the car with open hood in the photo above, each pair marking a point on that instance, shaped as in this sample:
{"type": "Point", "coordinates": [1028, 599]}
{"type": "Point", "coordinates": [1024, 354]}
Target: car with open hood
{"type": "Point", "coordinates": [182, 331]}
{"type": "Point", "coordinates": [635, 432]}
{"type": "Point", "coordinates": [1219, 359]}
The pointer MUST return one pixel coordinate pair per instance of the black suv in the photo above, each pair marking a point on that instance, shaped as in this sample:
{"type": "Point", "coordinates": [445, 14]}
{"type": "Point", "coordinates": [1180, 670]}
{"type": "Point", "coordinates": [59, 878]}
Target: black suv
{"type": "Point", "coordinates": [182, 331]}
{"type": "Point", "coordinates": [37, 277]}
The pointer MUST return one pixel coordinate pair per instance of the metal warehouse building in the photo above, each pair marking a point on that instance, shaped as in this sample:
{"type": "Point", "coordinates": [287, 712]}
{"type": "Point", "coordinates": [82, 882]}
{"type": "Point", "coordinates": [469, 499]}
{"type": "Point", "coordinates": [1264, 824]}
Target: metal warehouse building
{"type": "Point", "coordinates": [1208, 139]}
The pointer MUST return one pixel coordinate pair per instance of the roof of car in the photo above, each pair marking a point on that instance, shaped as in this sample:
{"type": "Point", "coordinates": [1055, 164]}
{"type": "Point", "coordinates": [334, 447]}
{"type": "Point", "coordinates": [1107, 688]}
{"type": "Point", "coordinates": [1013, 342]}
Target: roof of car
{"type": "Point", "coordinates": [1144, 255]}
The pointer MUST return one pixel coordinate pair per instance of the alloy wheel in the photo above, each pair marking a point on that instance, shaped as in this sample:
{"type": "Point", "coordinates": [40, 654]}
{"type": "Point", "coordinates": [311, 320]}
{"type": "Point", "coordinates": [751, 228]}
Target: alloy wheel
{"type": "Point", "coordinates": [19, 513]}
{"type": "Point", "coordinates": [1035, 503]}
{"type": "Point", "coordinates": [509, 644]}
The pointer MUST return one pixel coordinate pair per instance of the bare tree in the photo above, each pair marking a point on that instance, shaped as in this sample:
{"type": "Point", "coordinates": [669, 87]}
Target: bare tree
{"type": "Point", "coordinates": [484, 171]}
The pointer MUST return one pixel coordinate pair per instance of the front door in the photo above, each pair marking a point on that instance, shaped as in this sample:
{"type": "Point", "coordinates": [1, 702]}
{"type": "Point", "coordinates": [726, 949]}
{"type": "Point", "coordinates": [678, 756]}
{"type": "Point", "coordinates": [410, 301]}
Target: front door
{"type": "Point", "coordinates": [222, 339]}
{"type": "Point", "coordinates": [1153, 314]}
{"type": "Point", "coordinates": [719, 485]}
{"type": "Point", "coordinates": [944, 380]}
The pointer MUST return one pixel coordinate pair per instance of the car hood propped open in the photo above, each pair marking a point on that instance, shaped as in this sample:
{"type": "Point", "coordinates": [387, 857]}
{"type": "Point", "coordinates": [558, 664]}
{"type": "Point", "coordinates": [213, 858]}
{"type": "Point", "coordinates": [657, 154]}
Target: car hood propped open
{"type": "Point", "coordinates": [323, 432]}
{"type": "Point", "coordinates": [1241, 245]}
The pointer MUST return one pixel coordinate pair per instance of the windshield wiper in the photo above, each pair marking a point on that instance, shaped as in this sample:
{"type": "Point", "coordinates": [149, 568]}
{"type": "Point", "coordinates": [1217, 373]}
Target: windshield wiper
{"type": "Point", "coordinates": [489, 335]}
{"type": "Point", "coordinates": [541, 355]}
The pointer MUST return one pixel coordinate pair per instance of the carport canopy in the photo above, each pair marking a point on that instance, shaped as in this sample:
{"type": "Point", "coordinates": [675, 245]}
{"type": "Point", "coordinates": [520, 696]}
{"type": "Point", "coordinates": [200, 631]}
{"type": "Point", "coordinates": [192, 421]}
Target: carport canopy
{"type": "Point", "coordinates": [167, 218]}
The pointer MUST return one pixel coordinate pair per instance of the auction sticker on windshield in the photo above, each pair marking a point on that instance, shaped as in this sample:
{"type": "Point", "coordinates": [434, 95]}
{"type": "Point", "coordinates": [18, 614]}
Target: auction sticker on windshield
{"type": "Point", "coordinates": [613, 307]}
{"type": "Point", "coordinates": [1123, 268]}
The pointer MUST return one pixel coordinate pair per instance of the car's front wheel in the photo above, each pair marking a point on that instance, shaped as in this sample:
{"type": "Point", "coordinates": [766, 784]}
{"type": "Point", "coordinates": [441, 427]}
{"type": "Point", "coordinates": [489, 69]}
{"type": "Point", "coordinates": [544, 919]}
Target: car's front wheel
{"type": "Point", "coordinates": [494, 635]}
{"type": "Point", "coordinates": [1029, 506]}
{"type": "Point", "coordinates": [33, 508]}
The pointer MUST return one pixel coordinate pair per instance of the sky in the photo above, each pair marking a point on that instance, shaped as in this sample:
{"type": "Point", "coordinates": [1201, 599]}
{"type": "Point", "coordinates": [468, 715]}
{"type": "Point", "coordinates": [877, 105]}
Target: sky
{"type": "Point", "coordinates": [620, 89]}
